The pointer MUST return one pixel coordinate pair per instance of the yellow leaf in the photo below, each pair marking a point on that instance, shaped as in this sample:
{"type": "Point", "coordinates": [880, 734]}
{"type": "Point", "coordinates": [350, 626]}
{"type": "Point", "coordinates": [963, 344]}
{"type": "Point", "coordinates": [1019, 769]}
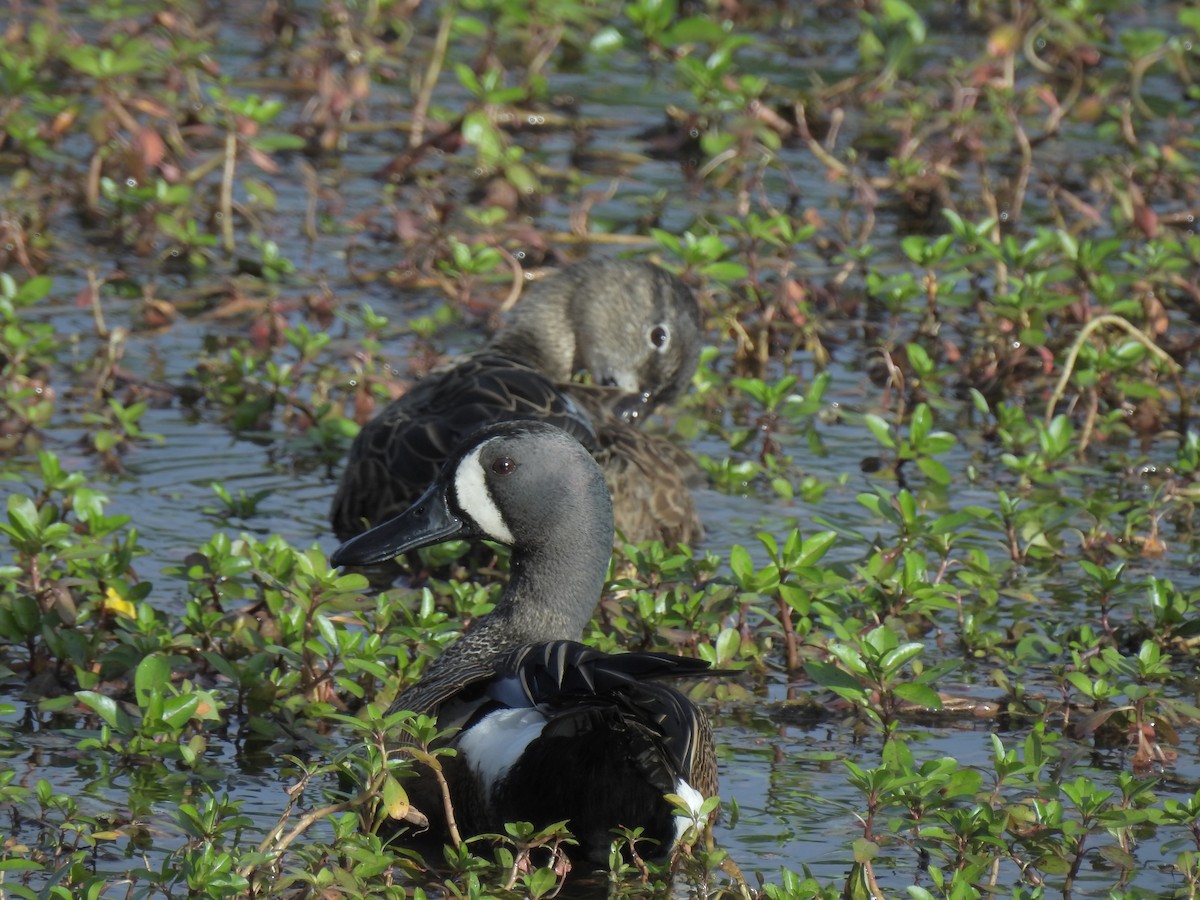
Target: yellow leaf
{"type": "Point", "coordinates": [425, 757]}
{"type": "Point", "coordinates": [395, 798]}
{"type": "Point", "coordinates": [115, 603]}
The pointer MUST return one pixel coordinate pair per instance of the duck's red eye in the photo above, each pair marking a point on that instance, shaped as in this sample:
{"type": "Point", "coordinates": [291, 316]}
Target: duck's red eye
{"type": "Point", "coordinates": [503, 466]}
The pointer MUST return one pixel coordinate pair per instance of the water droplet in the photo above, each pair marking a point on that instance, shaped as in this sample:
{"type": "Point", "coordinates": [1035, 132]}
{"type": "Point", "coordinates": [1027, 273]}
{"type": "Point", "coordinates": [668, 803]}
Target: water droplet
{"type": "Point", "coordinates": [694, 133]}
{"type": "Point", "coordinates": [1004, 216]}
{"type": "Point", "coordinates": [520, 254]}
{"type": "Point", "coordinates": [1041, 43]}
{"type": "Point", "coordinates": [131, 182]}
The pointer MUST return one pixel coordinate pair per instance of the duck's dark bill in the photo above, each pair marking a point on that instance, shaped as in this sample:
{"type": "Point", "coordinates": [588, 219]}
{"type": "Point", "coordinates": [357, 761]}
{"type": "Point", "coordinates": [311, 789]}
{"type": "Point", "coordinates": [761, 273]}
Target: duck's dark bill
{"type": "Point", "coordinates": [428, 521]}
{"type": "Point", "coordinates": [633, 407]}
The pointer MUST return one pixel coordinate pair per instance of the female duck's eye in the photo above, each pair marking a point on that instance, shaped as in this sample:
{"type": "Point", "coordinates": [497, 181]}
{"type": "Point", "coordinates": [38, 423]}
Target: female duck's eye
{"type": "Point", "coordinates": [504, 466]}
{"type": "Point", "coordinates": [658, 336]}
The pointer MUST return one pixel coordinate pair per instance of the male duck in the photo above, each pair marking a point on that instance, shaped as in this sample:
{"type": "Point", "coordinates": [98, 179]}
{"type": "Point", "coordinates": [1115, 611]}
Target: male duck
{"type": "Point", "coordinates": [635, 329]}
{"type": "Point", "coordinates": [548, 729]}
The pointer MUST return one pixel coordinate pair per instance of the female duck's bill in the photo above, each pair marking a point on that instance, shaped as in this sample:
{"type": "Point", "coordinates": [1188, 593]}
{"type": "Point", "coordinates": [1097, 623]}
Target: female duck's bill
{"type": "Point", "coordinates": [546, 729]}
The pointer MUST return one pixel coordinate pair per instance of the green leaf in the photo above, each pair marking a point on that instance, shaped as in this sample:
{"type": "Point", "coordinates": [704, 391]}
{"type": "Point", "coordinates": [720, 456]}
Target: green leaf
{"type": "Point", "coordinates": [880, 428]}
{"type": "Point", "coordinates": [1081, 682]}
{"type": "Point", "coordinates": [178, 711]}
{"type": "Point", "coordinates": [272, 142]}
{"type": "Point", "coordinates": [864, 850]}
{"type": "Point", "coordinates": [729, 642]}
{"type": "Point", "coordinates": [477, 129]}
{"type": "Point", "coordinates": [22, 517]}
{"type": "Point", "coordinates": [724, 271]}
{"type": "Point", "coordinates": [695, 30]}
{"type": "Point", "coordinates": [523, 179]}
{"type": "Point", "coordinates": [326, 630]}
{"type": "Point", "coordinates": [540, 881]}
{"type": "Point", "coordinates": [849, 657]}
{"type": "Point", "coordinates": [34, 289]}
{"type": "Point", "coordinates": [934, 471]}
{"type": "Point", "coordinates": [830, 676]}
{"type": "Point", "coordinates": [606, 40]}
{"type": "Point", "coordinates": [937, 442]}
{"type": "Point", "coordinates": [108, 709]}
{"type": "Point", "coordinates": [922, 423]}
{"type": "Point", "coordinates": [920, 360]}
{"type": "Point", "coordinates": [893, 660]}
{"type": "Point", "coordinates": [153, 674]}
{"type": "Point", "coordinates": [815, 546]}
{"type": "Point", "coordinates": [17, 864]}
{"type": "Point", "coordinates": [467, 78]}
{"type": "Point", "coordinates": [741, 564]}
{"type": "Point", "coordinates": [919, 695]}
{"type": "Point", "coordinates": [900, 12]}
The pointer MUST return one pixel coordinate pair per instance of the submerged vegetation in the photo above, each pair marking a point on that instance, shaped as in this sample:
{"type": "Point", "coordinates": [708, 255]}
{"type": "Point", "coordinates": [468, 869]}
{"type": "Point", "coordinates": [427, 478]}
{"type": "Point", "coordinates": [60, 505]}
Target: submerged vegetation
{"type": "Point", "coordinates": [948, 259]}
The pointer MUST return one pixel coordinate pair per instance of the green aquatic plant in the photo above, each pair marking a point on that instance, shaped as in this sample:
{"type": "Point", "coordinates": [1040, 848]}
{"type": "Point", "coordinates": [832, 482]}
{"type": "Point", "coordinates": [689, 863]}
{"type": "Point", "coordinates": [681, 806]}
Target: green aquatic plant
{"type": "Point", "coordinates": [947, 272]}
{"type": "Point", "coordinates": [27, 351]}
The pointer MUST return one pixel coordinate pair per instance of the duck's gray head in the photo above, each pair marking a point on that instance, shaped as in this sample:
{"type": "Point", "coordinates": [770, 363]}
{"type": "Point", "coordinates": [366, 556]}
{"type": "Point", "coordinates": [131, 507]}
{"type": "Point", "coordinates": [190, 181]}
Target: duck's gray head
{"type": "Point", "coordinates": [629, 325]}
{"type": "Point", "coordinates": [525, 484]}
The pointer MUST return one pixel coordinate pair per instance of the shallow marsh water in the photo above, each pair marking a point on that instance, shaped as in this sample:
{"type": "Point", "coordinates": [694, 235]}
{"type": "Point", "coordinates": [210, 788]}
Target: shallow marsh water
{"type": "Point", "coordinates": [795, 806]}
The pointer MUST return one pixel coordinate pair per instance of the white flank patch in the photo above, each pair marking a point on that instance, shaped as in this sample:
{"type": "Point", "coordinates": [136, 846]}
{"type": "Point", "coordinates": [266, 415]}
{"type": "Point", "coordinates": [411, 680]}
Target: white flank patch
{"type": "Point", "coordinates": [496, 742]}
{"type": "Point", "coordinates": [694, 800]}
{"type": "Point", "coordinates": [470, 484]}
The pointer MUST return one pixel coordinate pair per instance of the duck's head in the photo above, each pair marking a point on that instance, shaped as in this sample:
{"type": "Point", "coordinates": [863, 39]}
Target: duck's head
{"type": "Point", "coordinates": [525, 484]}
{"type": "Point", "coordinates": [638, 329]}
{"type": "Point", "coordinates": [628, 325]}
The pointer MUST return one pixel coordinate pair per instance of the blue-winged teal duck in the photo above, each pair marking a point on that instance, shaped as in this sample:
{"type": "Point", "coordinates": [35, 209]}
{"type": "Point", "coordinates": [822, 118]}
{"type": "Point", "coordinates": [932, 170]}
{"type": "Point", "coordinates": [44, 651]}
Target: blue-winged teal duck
{"type": "Point", "coordinates": [548, 729]}
{"type": "Point", "coordinates": [633, 327]}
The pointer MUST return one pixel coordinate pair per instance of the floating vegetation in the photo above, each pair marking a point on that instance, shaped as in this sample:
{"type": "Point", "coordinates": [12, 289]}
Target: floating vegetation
{"type": "Point", "coordinates": [948, 265]}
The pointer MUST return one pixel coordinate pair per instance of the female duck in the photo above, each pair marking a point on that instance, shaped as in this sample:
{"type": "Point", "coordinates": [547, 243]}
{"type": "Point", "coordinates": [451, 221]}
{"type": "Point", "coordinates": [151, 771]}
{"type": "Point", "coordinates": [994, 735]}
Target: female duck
{"type": "Point", "coordinates": [633, 327]}
{"type": "Point", "coordinates": [547, 729]}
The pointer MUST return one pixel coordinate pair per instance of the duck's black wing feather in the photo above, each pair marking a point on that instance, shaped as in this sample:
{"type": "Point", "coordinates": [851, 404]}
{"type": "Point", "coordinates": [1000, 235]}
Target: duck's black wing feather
{"type": "Point", "coordinates": [398, 453]}
{"type": "Point", "coordinates": [615, 740]}
{"type": "Point", "coordinates": [561, 676]}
